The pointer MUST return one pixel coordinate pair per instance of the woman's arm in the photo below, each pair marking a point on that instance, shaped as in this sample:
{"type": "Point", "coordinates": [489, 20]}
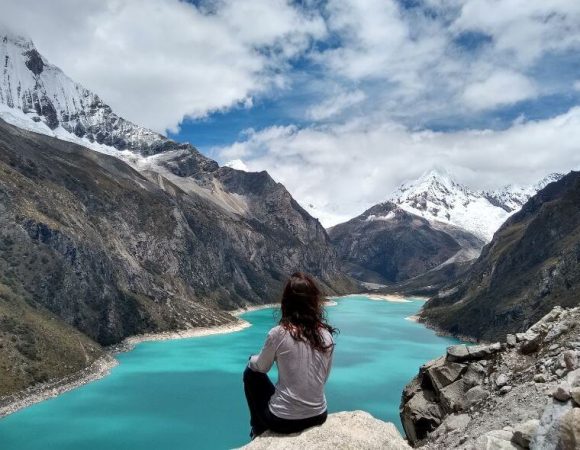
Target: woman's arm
{"type": "Point", "coordinates": [264, 361]}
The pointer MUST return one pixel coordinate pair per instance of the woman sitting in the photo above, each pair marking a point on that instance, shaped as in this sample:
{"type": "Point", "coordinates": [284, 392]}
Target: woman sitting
{"type": "Point", "coordinates": [302, 346]}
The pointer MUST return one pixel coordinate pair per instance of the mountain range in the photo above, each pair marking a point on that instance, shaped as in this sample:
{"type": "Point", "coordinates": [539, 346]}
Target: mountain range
{"type": "Point", "coordinates": [110, 229]}
{"type": "Point", "coordinates": [429, 228]}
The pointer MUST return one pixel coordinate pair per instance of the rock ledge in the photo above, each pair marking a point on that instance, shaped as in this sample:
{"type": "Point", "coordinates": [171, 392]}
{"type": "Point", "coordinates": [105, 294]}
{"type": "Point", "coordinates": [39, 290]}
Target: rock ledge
{"type": "Point", "coordinates": [343, 430]}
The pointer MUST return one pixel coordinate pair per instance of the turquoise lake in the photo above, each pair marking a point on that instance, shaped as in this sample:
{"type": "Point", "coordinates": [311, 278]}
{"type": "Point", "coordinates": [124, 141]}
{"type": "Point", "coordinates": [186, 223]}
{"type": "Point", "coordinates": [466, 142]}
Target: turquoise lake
{"type": "Point", "coordinates": [187, 394]}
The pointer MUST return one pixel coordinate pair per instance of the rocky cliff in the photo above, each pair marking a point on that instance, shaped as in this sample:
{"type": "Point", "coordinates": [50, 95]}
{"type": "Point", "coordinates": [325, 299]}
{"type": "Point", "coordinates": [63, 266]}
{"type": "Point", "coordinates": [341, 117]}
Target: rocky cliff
{"type": "Point", "coordinates": [387, 244]}
{"type": "Point", "coordinates": [343, 430]}
{"type": "Point", "coordinates": [530, 266]}
{"type": "Point", "coordinates": [523, 392]}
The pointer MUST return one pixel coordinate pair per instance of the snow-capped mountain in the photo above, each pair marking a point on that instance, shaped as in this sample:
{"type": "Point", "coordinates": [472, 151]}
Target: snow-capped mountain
{"type": "Point", "coordinates": [437, 197]}
{"type": "Point", "coordinates": [42, 93]}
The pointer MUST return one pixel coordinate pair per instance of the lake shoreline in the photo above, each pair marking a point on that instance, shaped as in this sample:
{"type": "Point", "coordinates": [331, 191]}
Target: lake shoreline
{"type": "Point", "coordinates": [102, 366]}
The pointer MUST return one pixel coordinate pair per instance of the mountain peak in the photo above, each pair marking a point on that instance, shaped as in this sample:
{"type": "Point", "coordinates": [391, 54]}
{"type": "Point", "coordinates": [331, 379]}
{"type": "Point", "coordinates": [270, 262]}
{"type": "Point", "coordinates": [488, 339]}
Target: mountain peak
{"type": "Point", "coordinates": [436, 196]}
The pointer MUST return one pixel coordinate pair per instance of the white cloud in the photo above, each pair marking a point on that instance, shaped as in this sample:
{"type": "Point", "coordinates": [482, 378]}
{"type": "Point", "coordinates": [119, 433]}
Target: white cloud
{"type": "Point", "coordinates": [335, 104]}
{"type": "Point", "coordinates": [343, 169]}
{"type": "Point", "coordinates": [157, 61]}
{"type": "Point", "coordinates": [500, 88]}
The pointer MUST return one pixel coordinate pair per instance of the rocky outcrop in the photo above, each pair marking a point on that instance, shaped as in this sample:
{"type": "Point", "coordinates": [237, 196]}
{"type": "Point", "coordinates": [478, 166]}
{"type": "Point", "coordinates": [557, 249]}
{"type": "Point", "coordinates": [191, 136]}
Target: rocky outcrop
{"type": "Point", "coordinates": [517, 394]}
{"type": "Point", "coordinates": [531, 265]}
{"type": "Point", "coordinates": [387, 244]}
{"type": "Point", "coordinates": [343, 430]}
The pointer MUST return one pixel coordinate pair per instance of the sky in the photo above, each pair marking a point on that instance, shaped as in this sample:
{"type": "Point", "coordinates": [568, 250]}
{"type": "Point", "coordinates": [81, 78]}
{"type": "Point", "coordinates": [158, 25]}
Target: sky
{"type": "Point", "coordinates": [340, 100]}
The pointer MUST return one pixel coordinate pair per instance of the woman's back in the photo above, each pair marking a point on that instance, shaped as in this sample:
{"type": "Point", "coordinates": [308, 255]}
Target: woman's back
{"type": "Point", "coordinates": [302, 373]}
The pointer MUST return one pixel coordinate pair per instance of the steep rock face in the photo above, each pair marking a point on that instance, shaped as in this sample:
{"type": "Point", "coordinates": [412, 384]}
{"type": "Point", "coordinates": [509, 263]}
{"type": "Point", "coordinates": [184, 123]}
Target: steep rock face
{"type": "Point", "coordinates": [516, 394]}
{"type": "Point", "coordinates": [354, 430]}
{"type": "Point", "coordinates": [531, 265]}
{"type": "Point", "coordinates": [388, 244]}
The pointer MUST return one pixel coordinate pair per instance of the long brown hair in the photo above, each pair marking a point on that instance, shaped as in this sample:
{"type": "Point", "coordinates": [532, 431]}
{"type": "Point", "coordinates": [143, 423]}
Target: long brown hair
{"type": "Point", "coordinates": [303, 312]}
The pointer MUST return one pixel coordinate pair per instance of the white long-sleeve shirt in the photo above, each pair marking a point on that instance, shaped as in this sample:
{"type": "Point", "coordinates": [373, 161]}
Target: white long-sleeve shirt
{"type": "Point", "coordinates": [302, 373]}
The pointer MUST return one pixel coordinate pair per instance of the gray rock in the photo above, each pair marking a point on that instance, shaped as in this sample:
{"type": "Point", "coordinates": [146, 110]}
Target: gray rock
{"type": "Point", "coordinates": [504, 390]}
{"type": "Point", "coordinates": [573, 378]}
{"type": "Point", "coordinates": [453, 398]}
{"type": "Point", "coordinates": [343, 430]}
{"type": "Point", "coordinates": [531, 343]}
{"type": "Point", "coordinates": [524, 432]}
{"type": "Point", "coordinates": [475, 395]}
{"type": "Point", "coordinates": [483, 351]}
{"type": "Point", "coordinates": [511, 340]}
{"type": "Point", "coordinates": [457, 353]}
{"type": "Point", "coordinates": [570, 429]}
{"type": "Point", "coordinates": [501, 380]}
{"type": "Point", "coordinates": [420, 416]}
{"type": "Point", "coordinates": [575, 394]}
{"type": "Point", "coordinates": [540, 378]}
{"type": "Point", "coordinates": [547, 435]}
{"type": "Point", "coordinates": [562, 392]}
{"type": "Point", "coordinates": [496, 440]}
{"type": "Point", "coordinates": [445, 374]}
{"type": "Point", "coordinates": [456, 422]}
{"type": "Point", "coordinates": [474, 375]}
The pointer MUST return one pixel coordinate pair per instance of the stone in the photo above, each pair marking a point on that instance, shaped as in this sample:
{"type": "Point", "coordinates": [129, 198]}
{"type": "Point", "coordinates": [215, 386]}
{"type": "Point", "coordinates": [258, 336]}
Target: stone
{"type": "Point", "coordinates": [504, 390]}
{"type": "Point", "coordinates": [501, 380]}
{"type": "Point", "coordinates": [453, 398]}
{"type": "Point", "coordinates": [573, 378]}
{"type": "Point", "coordinates": [457, 353]}
{"type": "Point", "coordinates": [456, 422]}
{"type": "Point", "coordinates": [547, 435]}
{"type": "Point", "coordinates": [483, 351]}
{"type": "Point", "coordinates": [575, 394]}
{"type": "Point", "coordinates": [495, 440]}
{"type": "Point", "coordinates": [343, 430]}
{"type": "Point", "coordinates": [562, 392]}
{"type": "Point", "coordinates": [524, 432]}
{"type": "Point", "coordinates": [420, 416]}
{"type": "Point", "coordinates": [540, 378]}
{"type": "Point", "coordinates": [531, 343]}
{"type": "Point", "coordinates": [474, 375]}
{"type": "Point", "coordinates": [511, 340]}
{"type": "Point", "coordinates": [570, 429]}
{"type": "Point", "coordinates": [475, 395]}
{"type": "Point", "coordinates": [445, 374]}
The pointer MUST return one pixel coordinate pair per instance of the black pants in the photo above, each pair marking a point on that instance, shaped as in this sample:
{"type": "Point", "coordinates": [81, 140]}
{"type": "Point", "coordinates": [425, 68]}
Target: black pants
{"type": "Point", "coordinates": [259, 389]}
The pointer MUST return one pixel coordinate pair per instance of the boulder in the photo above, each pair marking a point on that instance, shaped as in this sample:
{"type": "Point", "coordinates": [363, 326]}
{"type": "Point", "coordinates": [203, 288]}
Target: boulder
{"type": "Point", "coordinates": [457, 353]}
{"type": "Point", "coordinates": [540, 378]}
{"type": "Point", "coordinates": [531, 343]}
{"type": "Point", "coordinates": [474, 375]}
{"type": "Point", "coordinates": [420, 416]}
{"type": "Point", "coordinates": [547, 436]}
{"type": "Point", "coordinates": [570, 429]}
{"type": "Point", "coordinates": [483, 351]}
{"type": "Point", "coordinates": [456, 422]}
{"type": "Point", "coordinates": [511, 340]}
{"type": "Point", "coordinates": [573, 378]}
{"type": "Point", "coordinates": [562, 392]}
{"type": "Point", "coordinates": [452, 397]}
{"type": "Point", "coordinates": [571, 359]}
{"type": "Point", "coordinates": [501, 380]}
{"type": "Point", "coordinates": [524, 432]}
{"type": "Point", "coordinates": [575, 394]}
{"type": "Point", "coordinates": [475, 395]}
{"type": "Point", "coordinates": [444, 374]}
{"type": "Point", "coordinates": [496, 440]}
{"type": "Point", "coordinates": [353, 429]}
